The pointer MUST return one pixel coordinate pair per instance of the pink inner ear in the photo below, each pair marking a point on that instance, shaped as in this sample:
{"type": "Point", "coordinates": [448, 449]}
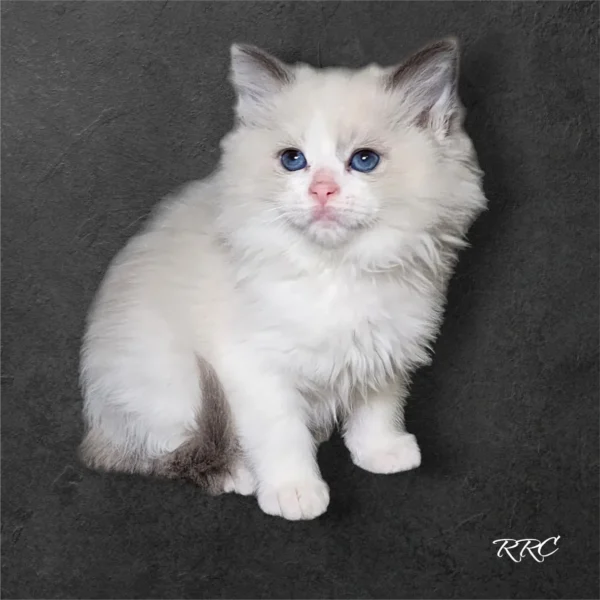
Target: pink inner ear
{"type": "Point", "coordinates": [323, 187]}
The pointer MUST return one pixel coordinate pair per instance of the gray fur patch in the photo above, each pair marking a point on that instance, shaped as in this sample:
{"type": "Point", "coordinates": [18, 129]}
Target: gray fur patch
{"type": "Point", "coordinates": [100, 454]}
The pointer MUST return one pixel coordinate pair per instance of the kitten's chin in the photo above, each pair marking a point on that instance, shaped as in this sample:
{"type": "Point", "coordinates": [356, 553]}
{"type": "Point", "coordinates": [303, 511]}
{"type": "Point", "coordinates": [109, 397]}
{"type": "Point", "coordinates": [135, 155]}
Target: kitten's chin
{"type": "Point", "coordinates": [329, 234]}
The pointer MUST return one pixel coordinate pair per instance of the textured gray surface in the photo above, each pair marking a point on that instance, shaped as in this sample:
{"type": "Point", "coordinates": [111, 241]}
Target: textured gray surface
{"type": "Point", "coordinates": [106, 106]}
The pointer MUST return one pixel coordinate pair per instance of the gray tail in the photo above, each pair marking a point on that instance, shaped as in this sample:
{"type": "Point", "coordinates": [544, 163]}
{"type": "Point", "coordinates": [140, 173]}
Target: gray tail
{"type": "Point", "coordinates": [207, 457]}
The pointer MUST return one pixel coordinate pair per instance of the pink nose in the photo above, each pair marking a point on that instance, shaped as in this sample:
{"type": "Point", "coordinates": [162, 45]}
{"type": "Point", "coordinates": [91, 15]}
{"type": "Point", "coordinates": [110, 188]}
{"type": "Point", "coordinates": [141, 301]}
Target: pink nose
{"type": "Point", "coordinates": [323, 190]}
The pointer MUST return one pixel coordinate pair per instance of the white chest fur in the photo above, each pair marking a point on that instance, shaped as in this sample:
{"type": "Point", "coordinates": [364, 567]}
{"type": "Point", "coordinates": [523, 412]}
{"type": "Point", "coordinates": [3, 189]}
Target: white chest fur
{"type": "Point", "coordinates": [336, 332]}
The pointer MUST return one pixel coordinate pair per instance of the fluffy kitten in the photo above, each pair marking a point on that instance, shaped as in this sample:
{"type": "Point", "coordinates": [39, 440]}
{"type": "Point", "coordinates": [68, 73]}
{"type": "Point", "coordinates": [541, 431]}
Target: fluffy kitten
{"type": "Point", "coordinates": [296, 288]}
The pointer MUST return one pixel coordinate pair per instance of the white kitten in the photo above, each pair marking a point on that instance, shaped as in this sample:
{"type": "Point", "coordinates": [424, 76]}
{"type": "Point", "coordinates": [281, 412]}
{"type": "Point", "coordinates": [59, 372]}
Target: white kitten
{"type": "Point", "coordinates": [297, 287]}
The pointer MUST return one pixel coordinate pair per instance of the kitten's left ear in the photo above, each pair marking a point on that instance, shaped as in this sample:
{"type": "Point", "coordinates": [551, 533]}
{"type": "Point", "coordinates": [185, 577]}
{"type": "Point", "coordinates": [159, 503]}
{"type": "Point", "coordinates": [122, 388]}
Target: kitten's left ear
{"type": "Point", "coordinates": [257, 77]}
{"type": "Point", "coordinates": [428, 82]}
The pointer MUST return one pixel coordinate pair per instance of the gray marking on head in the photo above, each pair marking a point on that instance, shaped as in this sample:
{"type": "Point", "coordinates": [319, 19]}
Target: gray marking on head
{"type": "Point", "coordinates": [263, 60]}
{"type": "Point", "coordinates": [442, 51]}
{"type": "Point", "coordinates": [428, 80]}
{"type": "Point", "coordinates": [257, 78]}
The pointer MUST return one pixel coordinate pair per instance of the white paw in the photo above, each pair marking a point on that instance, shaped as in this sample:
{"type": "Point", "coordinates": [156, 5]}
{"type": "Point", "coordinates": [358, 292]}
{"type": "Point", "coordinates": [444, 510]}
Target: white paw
{"type": "Point", "coordinates": [239, 481]}
{"type": "Point", "coordinates": [297, 500]}
{"type": "Point", "coordinates": [400, 453]}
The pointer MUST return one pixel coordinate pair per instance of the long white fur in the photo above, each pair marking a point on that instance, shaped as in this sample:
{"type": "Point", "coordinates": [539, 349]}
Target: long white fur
{"type": "Point", "coordinates": [305, 323]}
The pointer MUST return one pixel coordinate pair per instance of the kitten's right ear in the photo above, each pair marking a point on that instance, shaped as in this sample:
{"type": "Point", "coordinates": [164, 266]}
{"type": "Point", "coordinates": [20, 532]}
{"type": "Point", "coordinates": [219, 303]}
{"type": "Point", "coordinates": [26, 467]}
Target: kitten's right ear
{"type": "Point", "coordinates": [256, 77]}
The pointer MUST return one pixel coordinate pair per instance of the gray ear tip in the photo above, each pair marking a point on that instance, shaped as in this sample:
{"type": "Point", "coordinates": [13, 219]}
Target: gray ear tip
{"type": "Point", "coordinates": [242, 50]}
{"type": "Point", "coordinates": [238, 48]}
{"type": "Point", "coordinates": [447, 46]}
{"type": "Point", "coordinates": [452, 41]}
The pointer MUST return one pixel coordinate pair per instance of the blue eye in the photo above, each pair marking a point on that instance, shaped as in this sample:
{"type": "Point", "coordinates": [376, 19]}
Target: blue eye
{"type": "Point", "coordinates": [293, 160]}
{"type": "Point", "coordinates": [364, 161]}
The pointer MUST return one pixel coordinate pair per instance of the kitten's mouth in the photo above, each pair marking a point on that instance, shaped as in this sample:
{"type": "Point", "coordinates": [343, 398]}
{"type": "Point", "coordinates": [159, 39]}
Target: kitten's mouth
{"type": "Point", "coordinates": [324, 215]}
{"type": "Point", "coordinates": [332, 218]}
{"type": "Point", "coordinates": [327, 225]}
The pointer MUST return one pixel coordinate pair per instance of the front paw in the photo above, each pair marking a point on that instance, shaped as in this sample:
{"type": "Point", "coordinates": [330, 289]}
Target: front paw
{"type": "Point", "coordinates": [393, 455]}
{"type": "Point", "coordinates": [296, 500]}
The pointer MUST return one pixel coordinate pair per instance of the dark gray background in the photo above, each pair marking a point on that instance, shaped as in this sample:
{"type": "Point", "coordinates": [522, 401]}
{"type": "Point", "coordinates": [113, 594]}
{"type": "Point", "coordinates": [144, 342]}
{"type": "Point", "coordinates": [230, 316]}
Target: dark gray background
{"type": "Point", "coordinates": [106, 106]}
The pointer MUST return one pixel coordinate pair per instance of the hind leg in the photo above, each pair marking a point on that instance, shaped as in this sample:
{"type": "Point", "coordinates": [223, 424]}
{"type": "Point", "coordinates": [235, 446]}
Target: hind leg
{"type": "Point", "coordinates": [130, 435]}
{"type": "Point", "coordinates": [239, 480]}
{"type": "Point", "coordinates": [142, 392]}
